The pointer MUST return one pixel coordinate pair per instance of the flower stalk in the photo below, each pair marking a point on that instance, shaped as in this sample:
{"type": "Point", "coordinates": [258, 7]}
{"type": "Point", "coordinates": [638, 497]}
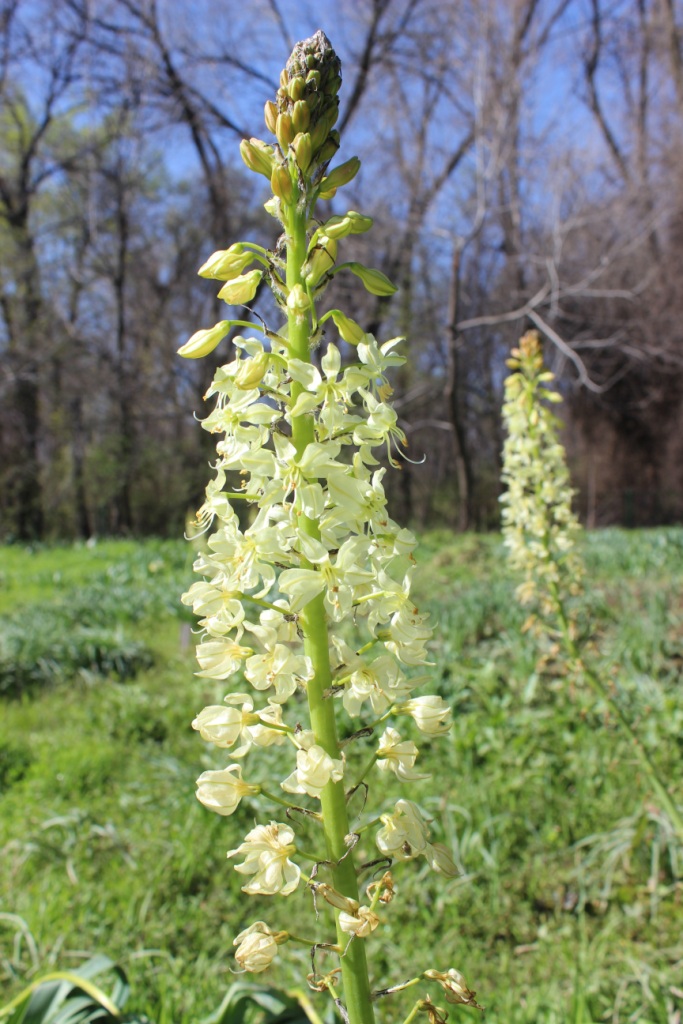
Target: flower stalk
{"type": "Point", "coordinates": [540, 532]}
{"type": "Point", "coordinates": [320, 556]}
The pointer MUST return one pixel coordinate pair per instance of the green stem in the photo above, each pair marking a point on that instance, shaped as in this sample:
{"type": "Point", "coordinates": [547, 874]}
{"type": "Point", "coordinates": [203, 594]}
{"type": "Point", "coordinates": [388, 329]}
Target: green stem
{"type": "Point", "coordinates": [313, 622]}
{"type": "Point", "coordinates": [602, 691]}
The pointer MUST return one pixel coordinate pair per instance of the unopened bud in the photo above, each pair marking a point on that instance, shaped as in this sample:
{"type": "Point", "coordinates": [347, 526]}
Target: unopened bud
{"type": "Point", "coordinates": [270, 116]}
{"type": "Point", "coordinates": [284, 131]}
{"type": "Point", "coordinates": [241, 289]}
{"type": "Point", "coordinates": [257, 156]}
{"type": "Point", "coordinates": [375, 281]}
{"type": "Point", "coordinates": [301, 116]}
{"type": "Point", "coordinates": [250, 374]}
{"type": "Point", "coordinates": [226, 263]}
{"type": "Point", "coordinates": [295, 89]}
{"type": "Point", "coordinates": [313, 79]}
{"type": "Point", "coordinates": [351, 223]}
{"type": "Point", "coordinates": [281, 183]}
{"type": "Point", "coordinates": [328, 151]}
{"type": "Point", "coordinates": [203, 342]}
{"type": "Point", "coordinates": [321, 260]}
{"type": "Point", "coordinates": [318, 134]}
{"type": "Point", "coordinates": [297, 300]}
{"type": "Point", "coordinates": [284, 78]}
{"type": "Point", "coordinates": [350, 331]}
{"type": "Point", "coordinates": [303, 151]}
{"type": "Point", "coordinates": [342, 175]}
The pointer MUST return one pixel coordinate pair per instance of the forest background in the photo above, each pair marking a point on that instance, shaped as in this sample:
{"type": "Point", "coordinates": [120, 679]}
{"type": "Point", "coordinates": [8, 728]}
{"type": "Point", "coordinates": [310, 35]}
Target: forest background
{"type": "Point", "coordinates": [521, 159]}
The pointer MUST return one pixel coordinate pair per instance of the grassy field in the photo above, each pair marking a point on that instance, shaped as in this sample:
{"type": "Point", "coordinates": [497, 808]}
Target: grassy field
{"type": "Point", "coordinates": [569, 905]}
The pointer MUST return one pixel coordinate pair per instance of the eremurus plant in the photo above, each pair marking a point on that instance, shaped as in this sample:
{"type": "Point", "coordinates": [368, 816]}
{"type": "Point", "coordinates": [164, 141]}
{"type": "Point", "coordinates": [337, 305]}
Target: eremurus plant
{"type": "Point", "coordinates": [319, 561]}
{"type": "Point", "coordinates": [540, 531]}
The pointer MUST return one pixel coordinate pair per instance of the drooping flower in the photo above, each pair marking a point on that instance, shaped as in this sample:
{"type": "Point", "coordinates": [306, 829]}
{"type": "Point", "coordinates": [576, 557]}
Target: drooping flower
{"type": "Point", "coordinates": [221, 791]}
{"type": "Point", "coordinates": [405, 834]}
{"type": "Point", "coordinates": [431, 714]}
{"type": "Point", "coordinates": [398, 755]}
{"type": "Point", "coordinates": [223, 725]}
{"type": "Point", "coordinates": [314, 769]}
{"type": "Point", "coordinates": [266, 850]}
{"type": "Point", "coordinates": [257, 947]}
{"type": "Point", "coordinates": [454, 986]}
{"type": "Point", "coordinates": [219, 659]}
{"type": "Point", "coordinates": [360, 923]}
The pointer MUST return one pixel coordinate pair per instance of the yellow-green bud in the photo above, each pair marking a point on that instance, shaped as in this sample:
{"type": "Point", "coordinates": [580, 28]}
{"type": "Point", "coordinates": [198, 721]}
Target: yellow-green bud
{"type": "Point", "coordinates": [298, 301]}
{"type": "Point", "coordinates": [257, 156]}
{"type": "Point", "coordinates": [284, 78]}
{"type": "Point", "coordinates": [341, 175]}
{"type": "Point", "coordinates": [350, 331]}
{"type": "Point", "coordinates": [328, 150]}
{"type": "Point", "coordinates": [284, 130]}
{"type": "Point", "coordinates": [241, 289]}
{"type": "Point", "coordinates": [319, 134]}
{"type": "Point", "coordinates": [359, 223]}
{"type": "Point", "coordinates": [303, 151]}
{"type": "Point", "coordinates": [301, 116]}
{"type": "Point", "coordinates": [252, 371]}
{"type": "Point", "coordinates": [203, 342]}
{"type": "Point", "coordinates": [375, 281]}
{"type": "Point", "coordinates": [351, 223]}
{"type": "Point", "coordinates": [321, 260]}
{"type": "Point", "coordinates": [270, 116]}
{"type": "Point", "coordinates": [313, 79]}
{"type": "Point", "coordinates": [295, 89]}
{"type": "Point", "coordinates": [281, 183]}
{"type": "Point", "coordinates": [226, 263]}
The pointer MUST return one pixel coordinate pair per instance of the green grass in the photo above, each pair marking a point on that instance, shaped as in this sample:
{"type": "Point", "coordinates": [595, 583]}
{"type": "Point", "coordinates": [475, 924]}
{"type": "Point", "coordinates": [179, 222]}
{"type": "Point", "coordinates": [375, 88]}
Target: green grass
{"type": "Point", "coordinates": [569, 903]}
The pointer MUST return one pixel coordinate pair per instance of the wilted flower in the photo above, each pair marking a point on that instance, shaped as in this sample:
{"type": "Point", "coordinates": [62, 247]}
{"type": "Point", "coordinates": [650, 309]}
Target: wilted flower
{"type": "Point", "coordinates": [257, 947]}
{"type": "Point", "coordinates": [360, 923]}
{"type": "Point", "coordinates": [454, 986]}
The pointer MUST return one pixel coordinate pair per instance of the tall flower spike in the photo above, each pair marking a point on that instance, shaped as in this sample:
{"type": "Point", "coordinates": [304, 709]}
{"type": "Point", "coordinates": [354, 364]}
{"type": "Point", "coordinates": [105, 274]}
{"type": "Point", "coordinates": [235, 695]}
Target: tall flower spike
{"type": "Point", "coordinates": [321, 556]}
{"type": "Point", "coordinates": [539, 526]}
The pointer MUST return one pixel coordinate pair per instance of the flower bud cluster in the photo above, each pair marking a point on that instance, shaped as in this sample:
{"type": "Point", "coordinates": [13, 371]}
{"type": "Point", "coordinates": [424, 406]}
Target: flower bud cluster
{"type": "Point", "coordinates": [539, 527]}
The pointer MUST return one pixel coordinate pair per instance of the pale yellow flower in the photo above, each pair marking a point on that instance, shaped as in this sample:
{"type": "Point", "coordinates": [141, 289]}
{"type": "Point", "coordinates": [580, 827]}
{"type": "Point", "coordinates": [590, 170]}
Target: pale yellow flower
{"type": "Point", "coordinates": [267, 849]}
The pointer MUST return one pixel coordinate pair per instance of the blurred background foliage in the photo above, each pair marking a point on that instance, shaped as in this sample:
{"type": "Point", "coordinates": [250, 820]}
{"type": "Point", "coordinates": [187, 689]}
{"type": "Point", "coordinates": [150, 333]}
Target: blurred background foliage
{"type": "Point", "coordinates": [522, 163]}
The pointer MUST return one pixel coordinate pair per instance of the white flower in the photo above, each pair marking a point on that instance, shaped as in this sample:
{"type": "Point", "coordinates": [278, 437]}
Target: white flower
{"type": "Point", "coordinates": [361, 923]}
{"type": "Point", "coordinates": [221, 725]}
{"type": "Point", "coordinates": [314, 769]}
{"type": "Point", "coordinates": [408, 634]}
{"type": "Point", "coordinates": [218, 659]}
{"type": "Point", "coordinates": [431, 714]}
{"type": "Point", "coordinates": [405, 834]}
{"type": "Point", "coordinates": [257, 947]}
{"type": "Point", "coordinates": [301, 586]}
{"type": "Point", "coordinates": [221, 791]}
{"type": "Point", "coordinates": [398, 756]}
{"type": "Point", "coordinates": [267, 849]}
{"type": "Point", "coordinates": [279, 667]}
{"type": "Point", "coordinates": [381, 682]}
